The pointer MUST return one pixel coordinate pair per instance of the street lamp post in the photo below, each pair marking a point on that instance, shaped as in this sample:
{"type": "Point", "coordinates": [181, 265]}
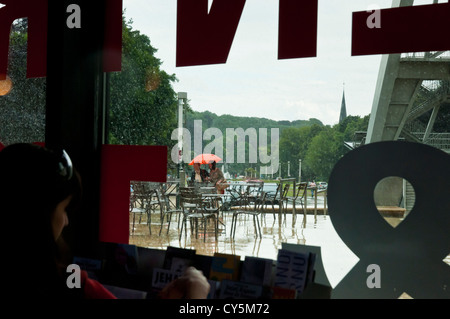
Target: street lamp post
{"type": "Point", "coordinates": [182, 97]}
{"type": "Point", "coordinates": [279, 175]}
{"type": "Point", "coordinates": [300, 171]}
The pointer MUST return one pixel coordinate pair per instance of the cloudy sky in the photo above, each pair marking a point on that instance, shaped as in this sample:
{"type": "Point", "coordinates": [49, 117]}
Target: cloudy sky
{"type": "Point", "coordinates": [253, 82]}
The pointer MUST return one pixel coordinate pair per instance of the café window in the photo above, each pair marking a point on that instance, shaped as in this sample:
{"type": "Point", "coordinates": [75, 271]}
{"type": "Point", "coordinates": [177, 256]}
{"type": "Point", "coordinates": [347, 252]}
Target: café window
{"type": "Point", "coordinates": [22, 99]}
{"type": "Point", "coordinates": [315, 110]}
{"type": "Point", "coordinates": [247, 90]}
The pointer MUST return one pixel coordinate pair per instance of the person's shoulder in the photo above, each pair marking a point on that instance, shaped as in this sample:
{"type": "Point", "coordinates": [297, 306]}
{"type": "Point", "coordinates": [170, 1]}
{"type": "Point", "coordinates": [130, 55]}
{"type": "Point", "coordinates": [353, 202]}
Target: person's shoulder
{"type": "Point", "coordinates": [93, 289]}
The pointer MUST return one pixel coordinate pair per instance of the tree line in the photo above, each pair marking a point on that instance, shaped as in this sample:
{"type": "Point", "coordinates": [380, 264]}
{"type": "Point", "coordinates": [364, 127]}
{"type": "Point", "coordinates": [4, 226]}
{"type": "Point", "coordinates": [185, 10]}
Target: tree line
{"type": "Point", "coordinates": [318, 146]}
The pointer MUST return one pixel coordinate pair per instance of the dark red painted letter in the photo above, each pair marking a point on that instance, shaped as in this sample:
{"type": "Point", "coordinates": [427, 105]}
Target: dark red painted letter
{"type": "Point", "coordinates": [36, 12]}
{"type": "Point", "coordinates": [404, 29]}
{"type": "Point", "coordinates": [120, 165]}
{"type": "Point", "coordinates": [204, 38]}
{"type": "Point", "coordinates": [297, 34]}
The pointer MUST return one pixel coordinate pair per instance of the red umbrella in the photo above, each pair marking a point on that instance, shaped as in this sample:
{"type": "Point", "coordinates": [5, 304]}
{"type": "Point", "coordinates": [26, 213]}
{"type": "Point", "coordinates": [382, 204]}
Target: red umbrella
{"type": "Point", "coordinates": [205, 159]}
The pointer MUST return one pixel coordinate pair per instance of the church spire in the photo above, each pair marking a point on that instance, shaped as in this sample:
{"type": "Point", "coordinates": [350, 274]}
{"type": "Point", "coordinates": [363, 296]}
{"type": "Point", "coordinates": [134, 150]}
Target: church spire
{"type": "Point", "coordinates": [343, 114]}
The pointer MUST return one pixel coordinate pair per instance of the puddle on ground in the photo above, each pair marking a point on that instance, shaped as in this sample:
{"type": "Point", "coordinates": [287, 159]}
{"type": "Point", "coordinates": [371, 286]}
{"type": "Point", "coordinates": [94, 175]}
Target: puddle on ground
{"type": "Point", "coordinates": [314, 231]}
{"type": "Point", "coordinates": [317, 230]}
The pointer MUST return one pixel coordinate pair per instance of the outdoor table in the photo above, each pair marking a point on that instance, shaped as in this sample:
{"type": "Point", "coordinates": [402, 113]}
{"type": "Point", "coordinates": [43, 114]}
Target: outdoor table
{"type": "Point", "coordinates": [214, 196]}
{"type": "Point", "coordinates": [242, 186]}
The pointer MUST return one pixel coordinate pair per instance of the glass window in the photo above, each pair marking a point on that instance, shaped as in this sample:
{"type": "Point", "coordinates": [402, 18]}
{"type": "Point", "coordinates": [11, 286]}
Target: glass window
{"type": "Point", "coordinates": [319, 107]}
{"type": "Point", "coordinates": [22, 100]}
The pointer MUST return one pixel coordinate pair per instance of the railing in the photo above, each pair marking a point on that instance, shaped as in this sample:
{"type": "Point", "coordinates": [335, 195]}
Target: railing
{"type": "Point", "coordinates": [415, 127]}
{"type": "Point", "coordinates": [322, 192]}
{"type": "Point", "coordinates": [436, 92]}
{"type": "Point", "coordinates": [439, 92]}
{"type": "Point", "coordinates": [427, 105]}
{"type": "Point", "coordinates": [437, 55]}
{"type": "Point", "coordinates": [438, 140]}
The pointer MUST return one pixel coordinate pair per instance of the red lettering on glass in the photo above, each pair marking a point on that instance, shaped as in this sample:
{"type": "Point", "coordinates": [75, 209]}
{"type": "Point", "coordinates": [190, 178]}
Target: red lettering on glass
{"type": "Point", "coordinates": [37, 13]}
{"type": "Point", "coordinates": [404, 29]}
{"type": "Point", "coordinates": [120, 165]}
{"type": "Point", "coordinates": [297, 32]}
{"type": "Point", "coordinates": [112, 43]}
{"type": "Point", "coordinates": [206, 38]}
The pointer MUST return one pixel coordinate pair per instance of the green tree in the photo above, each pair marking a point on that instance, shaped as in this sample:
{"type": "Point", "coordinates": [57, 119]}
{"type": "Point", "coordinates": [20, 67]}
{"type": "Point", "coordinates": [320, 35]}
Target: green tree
{"type": "Point", "coordinates": [286, 128]}
{"type": "Point", "coordinates": [143, 103]}
{"type": "Point", "coordinates": [325, 150]}
{"type": "Point", "coordinates": [294, 144]}
{"type": "Point", "coordinates": [352, 124]}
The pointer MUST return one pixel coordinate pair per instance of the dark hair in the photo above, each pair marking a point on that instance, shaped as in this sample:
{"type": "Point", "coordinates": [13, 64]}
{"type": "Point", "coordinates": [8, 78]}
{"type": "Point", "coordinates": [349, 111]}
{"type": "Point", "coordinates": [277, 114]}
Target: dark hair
{"type": "Point", "coordinates": [31, 186]}
{"type": "Point", "coordinates": [213, 164]}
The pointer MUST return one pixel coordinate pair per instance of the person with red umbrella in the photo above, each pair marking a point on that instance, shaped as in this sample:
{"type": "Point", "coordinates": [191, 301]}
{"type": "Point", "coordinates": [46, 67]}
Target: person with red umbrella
{"type": "Point", "coordinates": [216, 177]}
{"type": "Point", "coordinates": [202, 175]}
{"type": "Point", "coordinates": [199, 174]}
{"type": "Point", "coordinates": [205, 159]}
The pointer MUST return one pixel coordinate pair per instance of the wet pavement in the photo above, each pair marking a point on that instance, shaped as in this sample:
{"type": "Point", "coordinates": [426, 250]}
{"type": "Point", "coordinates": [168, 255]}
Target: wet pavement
{"type": "Point", "coordinates": [315, 230]}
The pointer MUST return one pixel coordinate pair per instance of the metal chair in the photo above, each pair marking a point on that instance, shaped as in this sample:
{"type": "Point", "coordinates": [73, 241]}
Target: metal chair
{"type": "Point", "coordinates": [244, 197]}
{"type": "Point", "coordinates": [283, 200]}
{"type": "Point", "coordinates": [254, 191]}
{"type": "Point", "coordinates": [234, 197]}
{"type": "Point", "coordinates": [195, 210]}
{"type": "Point", "coordinates": [299, 196]}
{"type": "Point", "coordinates": [166, 210]}
{"type": "Point", "coordinates": [255, 212]}
{"type": "Point", "coordinates": [186, 206]}
{"type": "Point", "coordinates": [138, 201]}
{"type": "Point", "coordinates": [273, 199]}
{"type": "Point", "coordinates": [152, 203]}
{"type": "Point", "coordinates": [170, 188]}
